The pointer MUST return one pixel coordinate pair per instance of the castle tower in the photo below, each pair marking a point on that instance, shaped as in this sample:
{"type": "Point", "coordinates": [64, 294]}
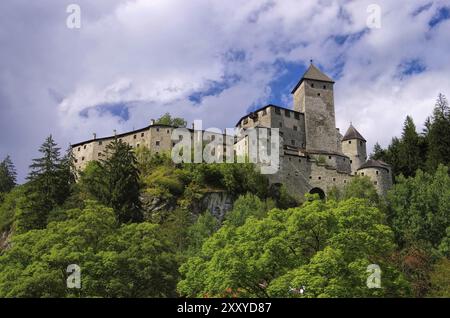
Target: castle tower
{"type": "Point", "coordinates": [354, 147]}
{"type": "Point", "coordinates": [313, 96]}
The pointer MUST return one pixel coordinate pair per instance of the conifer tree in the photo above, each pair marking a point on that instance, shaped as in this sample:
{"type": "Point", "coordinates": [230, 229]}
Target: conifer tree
{"type": "Point", "coordinates": [410, 150]}
{"type": "Point", "coordinates": [8, 175]}
{"type": "Point", "coordinates": [118, 185]}
{"type": "Point", "coordinates": [438, 136]}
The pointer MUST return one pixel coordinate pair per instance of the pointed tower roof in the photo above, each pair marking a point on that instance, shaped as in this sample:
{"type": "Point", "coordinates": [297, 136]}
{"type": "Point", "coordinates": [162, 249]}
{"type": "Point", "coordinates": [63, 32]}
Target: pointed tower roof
{"type": "Point", "coordinates": [313, 73]}
{"type": "Point", "coordinates": [352, 133]}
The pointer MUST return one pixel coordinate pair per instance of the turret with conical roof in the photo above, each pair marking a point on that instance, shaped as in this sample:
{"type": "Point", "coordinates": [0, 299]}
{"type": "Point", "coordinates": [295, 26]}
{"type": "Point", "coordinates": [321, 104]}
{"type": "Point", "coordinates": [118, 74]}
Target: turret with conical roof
{"type": "Point", "coordinates": [354, 147]}
{"type": "Point", "coordinates": [313, 96]}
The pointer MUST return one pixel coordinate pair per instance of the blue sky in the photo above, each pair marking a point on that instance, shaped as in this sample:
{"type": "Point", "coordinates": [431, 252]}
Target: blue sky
{"type": "Point", "coordinates": [134, 60]}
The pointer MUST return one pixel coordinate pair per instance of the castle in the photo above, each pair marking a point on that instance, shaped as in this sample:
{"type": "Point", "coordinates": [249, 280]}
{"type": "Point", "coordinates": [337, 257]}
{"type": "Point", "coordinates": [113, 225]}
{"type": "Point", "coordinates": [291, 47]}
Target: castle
{"type": "Point", "coordinates": [314, 156]}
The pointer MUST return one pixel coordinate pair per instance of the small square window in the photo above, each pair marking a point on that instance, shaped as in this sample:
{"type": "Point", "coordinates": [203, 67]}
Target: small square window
{"type": "Point", "coordinates": [329, 157]}
{"type": "Point", "coordinates": [296, 115]}
{"type": "Point", "coordinates": [349, 141]}
{"type": "Point", "coordinates": [377, 172]}
{"type": "Point", "coordinates": [99, 154]}
{"type": "Point", "coordinates": [320, 178]}
{"type": "Point", "coordinates": [312, 85]}
{"type": "Point", "coordinates": [82, 158]}
{"type": "Point", "coordinates": [295, 128]}
{"type": "Point", "coordinates": [351, 161]}
{"type": "Point", "coordinates": [135, 136]}
{"type": "Point", "coordinates": [293, 142]}
{"type": "Point", "coordinates": [375, 182]}
{"type": "Point", "coordinates": [157, 142]}
{"type": "Point", "coordinates": [157, 129]}
{"type": "Point", "coordinates": [318, 94]}
{"type": "Point", "coordinates": [100, 143]}
{"type": "Point", "coordinates": [76, 160]}
{"type": "Point", "coordinates": [334, 179]}
{"type": "Point", "coordinates": [277, 111]}
{"type": "Point", "coordinates": [142, 134]}
{"type": "Point", "coordinates": [287, 113]}
{"type": "Point", "coordinates": [324, 86]}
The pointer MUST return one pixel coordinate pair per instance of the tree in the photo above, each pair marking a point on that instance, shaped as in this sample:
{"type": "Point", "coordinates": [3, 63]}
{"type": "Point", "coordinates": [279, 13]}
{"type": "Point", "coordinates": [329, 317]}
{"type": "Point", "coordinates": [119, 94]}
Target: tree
{"type": "Point", "coordinates": [440, 279]}
{"type": "Point", "coordinates": [359, 187]}
{"type": "Point", "coordinates": [418, 208]}
{"type": "Point", "coordinates": [115, 182]}
{"type": "Point", "coordinates": [8, 175]}
{"type": "Point", "coordinates": [378, 152]}
{"type": "Point", "coordinates": [438, 136]}
{"type": "Point", "coordinates": [133, 260]}
{"type": "Point", "coordinates": [328, 243]}
{"type": "Point", "coordinates": [50, 181]}
{"type": "Point", "coordinates": [167, 119]}
{"type": "Point", "coordinates": [411, 155]}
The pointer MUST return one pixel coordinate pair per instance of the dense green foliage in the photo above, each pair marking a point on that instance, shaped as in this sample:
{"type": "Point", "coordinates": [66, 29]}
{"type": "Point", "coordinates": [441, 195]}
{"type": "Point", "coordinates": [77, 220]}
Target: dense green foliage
{"type": "Point", "coordinates": [167, 119]}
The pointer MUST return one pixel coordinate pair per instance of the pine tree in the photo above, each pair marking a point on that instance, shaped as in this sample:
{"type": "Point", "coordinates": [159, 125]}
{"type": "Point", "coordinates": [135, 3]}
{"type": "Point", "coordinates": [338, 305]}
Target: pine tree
{"type": "Point", "coordinates": [410, 156]}
{"type": "Point", "coordinates": [438, 136]}
{"type": "Point", "coordinates": [378, 152]}
{"type": "Point", "coordinates": [8, 175]}
{"type": "Point", "coordinates": [118, 185]}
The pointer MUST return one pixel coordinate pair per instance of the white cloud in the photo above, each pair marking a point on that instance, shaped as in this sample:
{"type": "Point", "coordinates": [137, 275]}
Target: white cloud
{"type": "Point", "coordinates": [152, 55]}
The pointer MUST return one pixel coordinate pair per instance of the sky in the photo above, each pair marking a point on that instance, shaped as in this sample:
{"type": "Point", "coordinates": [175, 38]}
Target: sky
{"type": "Point", "coordinates": [133, 60]}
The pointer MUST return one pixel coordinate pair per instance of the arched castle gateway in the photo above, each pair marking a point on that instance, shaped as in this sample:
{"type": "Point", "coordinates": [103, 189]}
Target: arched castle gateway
{"type": "Point", "coordinates": [314, 156]}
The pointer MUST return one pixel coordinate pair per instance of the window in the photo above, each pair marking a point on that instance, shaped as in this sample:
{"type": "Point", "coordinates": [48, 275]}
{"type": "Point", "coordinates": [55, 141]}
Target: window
{"type": "Point", "coordinates": [137, 145]}
{"type": "Point", "coordinates": [296, 115]}
{"type": "Point", "coordinates": [312, 85]}
{"type": "Point", "coordinates": [99, 154]}
{"type": "Point", "coordinates": [320, 178]}
{"type": "Point", "coordinates": [293, 142]}
{"type": "Point", "coordinates": [351, 161]}
{"type": "Point", "coordinates": [362, 173]}
{"type": "Point", "coordinates": [310, 177]}
{"type": "Point", "coordinates": [100, 143]}
{"type": "Point", "coordinates": [79, 148]}
{"type": "Point", "coordinates": [142, 134]}
{"type": "Point", "coordinates": [375, 182]}
{"type": "Point", "coordinates": [168, 131]}
{"type": "Point", "coordinates": [318, 94]}
{"type": "Point", "coordinates": [157, 142]}
{"type": "Point", "coordinates": [334, 179]}
{"type": "Point", "coordinates": [360, 142]}
{"type": "Point", "coordinates": [82, 158]}
{"type": "Point", "coordinates": [173, 144]}
{"type": "Point", "coordinates": [287, 113]}
{"type": "Point", "coordinates": [277, 111]}
{"type": "Point", "coordinates": [289, 158]}
{"type": "Point", "coordinates": [157, 129]}
{"type": "Point", "coordinates": [295, 128]}
{"type": "Point", "coordinates": [345, 181]}
{"type": "Point", "coordinates": [76, 160]}
{"type": "Point", "coordinates": [377, 172]}
{"type": "Point", "coordinates": [84, 147]}
{"type": "Point", "coordinates": [324, 86]}
{"type": "Point", "coordinates": [299, 160]}
{"type": "Point", "coordinates": [329, 157]}
{"type": "Point", "coordinates": [135, 136]}
{"type": "Point", "coordinates": [349, 142]}
{"type": "Point", "coordinates": [120, 139]}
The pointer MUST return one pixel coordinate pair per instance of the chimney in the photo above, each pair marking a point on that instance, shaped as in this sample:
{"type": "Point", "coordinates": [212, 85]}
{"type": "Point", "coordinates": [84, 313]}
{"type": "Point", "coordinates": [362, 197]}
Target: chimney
{"type": "Point", "coordinates": [94, 135]}
{"type": "Point", "coordinates": [152, 122]}
{"type": "Point", "coordinates": [115, 132]}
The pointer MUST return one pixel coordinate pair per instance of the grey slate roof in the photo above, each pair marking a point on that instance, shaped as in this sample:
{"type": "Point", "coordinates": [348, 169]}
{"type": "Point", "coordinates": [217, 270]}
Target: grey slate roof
{"type": "Point", "coordinates": [372, 163]}
{"type": "Point", "coordinates": [313, 73]}
{"type": "Point", "coordinates": [352, 133]}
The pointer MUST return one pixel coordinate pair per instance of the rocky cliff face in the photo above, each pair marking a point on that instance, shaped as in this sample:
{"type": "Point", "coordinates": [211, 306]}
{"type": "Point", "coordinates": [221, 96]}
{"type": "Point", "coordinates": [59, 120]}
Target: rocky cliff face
{"type": "Point", "coordinates": [5, 239]}
{"type": "Point", "coordinates": [218, 203]}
